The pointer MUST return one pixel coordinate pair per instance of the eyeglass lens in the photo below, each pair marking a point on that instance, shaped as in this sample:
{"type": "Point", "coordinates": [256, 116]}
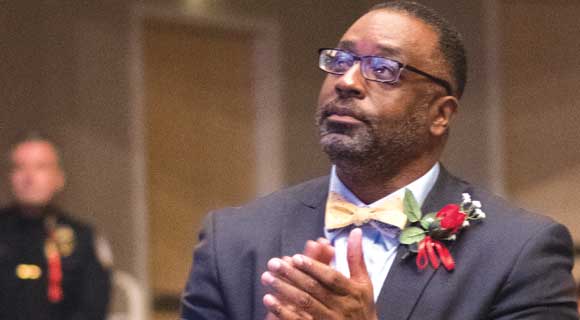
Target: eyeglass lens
{"type": "Point", "coordinates": [373, 68]}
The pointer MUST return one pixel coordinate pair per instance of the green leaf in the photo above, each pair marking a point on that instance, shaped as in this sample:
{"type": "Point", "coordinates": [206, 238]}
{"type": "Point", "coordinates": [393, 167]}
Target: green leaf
{"type": "Point", "coordinates": [411, 235]}
{"type": "Point", "coordinates": [427, 220]}
{"type": "Point", "coordinates": [411, 207]}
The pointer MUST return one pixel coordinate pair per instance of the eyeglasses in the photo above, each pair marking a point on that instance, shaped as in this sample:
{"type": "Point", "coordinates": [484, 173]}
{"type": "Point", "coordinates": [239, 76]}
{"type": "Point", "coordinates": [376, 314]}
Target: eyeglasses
{"type": "Point", "coordinates": [374, 68]}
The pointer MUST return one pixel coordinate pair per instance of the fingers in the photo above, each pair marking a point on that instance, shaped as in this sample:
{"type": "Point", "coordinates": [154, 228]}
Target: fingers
{"type": "Point", "coordinates": [287, 259]}
{"type": "Point", "coordinates": [355, 257]}
{"type": "Point", "coordinates": [287, 299]}
{"type": "Point", "coordinates": [280, 311]}
{"type": "Point", "coordinates": [327, 253]}
{"type": "Point", "coordinates": [322, 273]}
{"type": "Point", "coordinates": [320, 250]}
{"type": "Point", "coordinates": [305, 286]}
{"type": "Point", "coordinates": [312, 249]}
{"type": "Point", "coordinates": [296, 285]}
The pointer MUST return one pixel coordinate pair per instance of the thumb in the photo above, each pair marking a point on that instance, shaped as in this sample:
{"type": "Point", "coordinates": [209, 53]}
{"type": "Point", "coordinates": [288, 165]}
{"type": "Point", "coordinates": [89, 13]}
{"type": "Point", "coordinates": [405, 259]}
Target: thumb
{"type": "Point", "coordinates": [355, 258]}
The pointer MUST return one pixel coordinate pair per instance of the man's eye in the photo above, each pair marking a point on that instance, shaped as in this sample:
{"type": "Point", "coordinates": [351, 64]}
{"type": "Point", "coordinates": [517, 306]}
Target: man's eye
{"type": "Point", "coordinates": [342, 62]}
{"type": "Point", "coordinates": [382, 69]}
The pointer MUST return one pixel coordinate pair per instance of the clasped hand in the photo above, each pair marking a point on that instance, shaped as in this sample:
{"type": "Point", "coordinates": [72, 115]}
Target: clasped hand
{"type": "Point", "coordinates": [305, 286]}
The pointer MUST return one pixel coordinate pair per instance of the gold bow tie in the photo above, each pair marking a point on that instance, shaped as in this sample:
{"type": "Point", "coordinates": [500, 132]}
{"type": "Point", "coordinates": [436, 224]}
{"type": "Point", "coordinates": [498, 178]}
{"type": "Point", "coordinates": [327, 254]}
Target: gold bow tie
{"type": "Point", "coordinates": [341, 213]}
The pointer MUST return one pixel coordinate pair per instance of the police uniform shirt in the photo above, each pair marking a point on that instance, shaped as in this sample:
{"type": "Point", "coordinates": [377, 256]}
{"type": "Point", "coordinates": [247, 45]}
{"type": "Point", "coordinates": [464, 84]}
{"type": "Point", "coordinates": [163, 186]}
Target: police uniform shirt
{"type": "Point", "coordinates": [24, 269]}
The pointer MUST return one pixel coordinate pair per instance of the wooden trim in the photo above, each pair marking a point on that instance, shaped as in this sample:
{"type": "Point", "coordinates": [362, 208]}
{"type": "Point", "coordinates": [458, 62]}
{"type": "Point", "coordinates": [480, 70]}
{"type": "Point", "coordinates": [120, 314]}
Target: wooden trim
{"type": "Point", "coordinates": [267, 98]}
{"type": "Point", "coordinates": [495, 127]}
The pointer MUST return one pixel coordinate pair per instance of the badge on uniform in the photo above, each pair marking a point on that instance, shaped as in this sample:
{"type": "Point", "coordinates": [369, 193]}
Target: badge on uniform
{"type": "Point", "coordinates": [28, 272]}
{"type": "Point", "coordinates": [65, 239]}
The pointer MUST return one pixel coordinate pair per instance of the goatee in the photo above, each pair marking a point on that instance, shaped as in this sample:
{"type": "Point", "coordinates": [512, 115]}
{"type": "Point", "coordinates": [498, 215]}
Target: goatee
{"type": "Point", "coordinates": [375, 143]}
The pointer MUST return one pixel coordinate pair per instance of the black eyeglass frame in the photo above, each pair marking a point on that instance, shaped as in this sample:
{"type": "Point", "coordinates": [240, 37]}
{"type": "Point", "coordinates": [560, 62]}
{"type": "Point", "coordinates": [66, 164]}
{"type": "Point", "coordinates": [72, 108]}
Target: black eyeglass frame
{"type": "Point", "coordinates": [445, 84]}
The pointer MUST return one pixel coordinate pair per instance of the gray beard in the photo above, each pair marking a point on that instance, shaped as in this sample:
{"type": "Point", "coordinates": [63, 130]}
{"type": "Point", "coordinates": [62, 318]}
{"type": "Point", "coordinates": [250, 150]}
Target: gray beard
{"type": "Point", "coordinates": [366, 148]}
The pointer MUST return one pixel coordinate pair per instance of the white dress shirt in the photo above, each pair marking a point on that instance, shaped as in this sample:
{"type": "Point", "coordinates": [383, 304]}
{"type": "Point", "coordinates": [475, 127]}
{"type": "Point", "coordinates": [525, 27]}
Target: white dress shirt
{"type": "Point", "coordinates": [379, 249]}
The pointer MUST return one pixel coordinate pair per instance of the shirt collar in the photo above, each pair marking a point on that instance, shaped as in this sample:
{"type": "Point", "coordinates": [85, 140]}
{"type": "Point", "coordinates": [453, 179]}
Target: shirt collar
{"type": "Point", "coordinates": [420, 188]}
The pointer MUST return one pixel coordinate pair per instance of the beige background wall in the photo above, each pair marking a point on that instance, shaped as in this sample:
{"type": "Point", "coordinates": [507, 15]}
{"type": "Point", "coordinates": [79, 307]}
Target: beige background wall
{"type": "Point", "coordinates": [541, 104]}
{"type": "Point", "coordinates": [65, 68]}
{"type": "Point", "coordinates": [200, 154]}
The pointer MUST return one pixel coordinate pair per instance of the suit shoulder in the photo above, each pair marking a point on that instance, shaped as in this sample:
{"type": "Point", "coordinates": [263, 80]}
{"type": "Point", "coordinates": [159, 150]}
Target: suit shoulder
{"type": "Point", "coordinates": [507, 212]}
{"type": "Point", "coordinates": [510, 228]}
{"type": "Point", "coordinates": [506, 222]}
{"type": "Point", "coordinates": [309, 193]}
{"type": "Point", "coordinates": [267, 214]}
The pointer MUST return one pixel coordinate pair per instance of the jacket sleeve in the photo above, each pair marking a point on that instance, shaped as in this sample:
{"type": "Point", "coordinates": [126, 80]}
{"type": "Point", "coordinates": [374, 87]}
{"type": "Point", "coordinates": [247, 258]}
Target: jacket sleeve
{"type": "Point", "coordinates": [540, 285]}
{"type": "Point", "coordinates": [95, 283]}
{"type": "Point", "coordinates": [202, 298]}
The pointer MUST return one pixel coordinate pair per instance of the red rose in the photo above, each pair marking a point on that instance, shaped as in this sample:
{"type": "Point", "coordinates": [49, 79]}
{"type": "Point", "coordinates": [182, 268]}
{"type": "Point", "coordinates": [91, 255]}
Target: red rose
{"type": "Point", "coordinates": [451, 218]}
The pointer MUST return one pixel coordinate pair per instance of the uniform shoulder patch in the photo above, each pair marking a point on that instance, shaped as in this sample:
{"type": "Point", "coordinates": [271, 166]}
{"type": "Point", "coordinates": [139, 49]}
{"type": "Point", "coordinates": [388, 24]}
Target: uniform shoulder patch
{"type": "Point", "coordinates": [103, 252]}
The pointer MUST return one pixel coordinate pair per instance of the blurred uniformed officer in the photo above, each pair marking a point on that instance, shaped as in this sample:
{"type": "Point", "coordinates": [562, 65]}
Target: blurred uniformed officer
{"type": "Point", "coordinates": [51, 266]}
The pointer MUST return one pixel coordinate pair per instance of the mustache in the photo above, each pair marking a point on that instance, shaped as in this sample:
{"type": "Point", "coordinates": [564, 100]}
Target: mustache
{"type": "Point", "coordinates": [341, 108]}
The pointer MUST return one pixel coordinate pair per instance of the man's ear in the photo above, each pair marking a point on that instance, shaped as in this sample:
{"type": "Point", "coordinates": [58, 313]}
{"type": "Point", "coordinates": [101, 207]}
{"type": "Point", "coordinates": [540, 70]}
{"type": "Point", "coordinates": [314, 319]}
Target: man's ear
{"type": "Point", "coordinates": [441, 113]}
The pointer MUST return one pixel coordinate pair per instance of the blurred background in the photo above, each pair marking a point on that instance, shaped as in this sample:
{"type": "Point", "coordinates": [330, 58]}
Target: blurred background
{"type": "Point", "coordinates": [168, 109]}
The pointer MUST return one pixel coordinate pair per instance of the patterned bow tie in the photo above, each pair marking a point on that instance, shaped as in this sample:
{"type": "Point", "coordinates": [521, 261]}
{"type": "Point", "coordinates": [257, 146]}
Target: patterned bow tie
{"type": "Point", "coordinates": [341, 213]}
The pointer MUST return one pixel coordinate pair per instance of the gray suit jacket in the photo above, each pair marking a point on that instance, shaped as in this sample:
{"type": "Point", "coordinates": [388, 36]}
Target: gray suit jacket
{"type": "Point", "coordinates": [512, 265]}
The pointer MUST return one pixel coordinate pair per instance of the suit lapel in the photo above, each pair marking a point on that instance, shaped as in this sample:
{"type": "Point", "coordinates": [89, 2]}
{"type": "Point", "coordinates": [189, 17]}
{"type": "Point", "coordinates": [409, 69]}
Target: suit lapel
{"type": "Point", "coordinates": [305, 218]}
{"type": "Point", "coordinates": [405, 283]}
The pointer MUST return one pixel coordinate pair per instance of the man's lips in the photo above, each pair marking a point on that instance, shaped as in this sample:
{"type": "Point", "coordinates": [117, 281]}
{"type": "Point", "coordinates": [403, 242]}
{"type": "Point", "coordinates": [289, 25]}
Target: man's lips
{"type": "Point", "coordinates": [344, 119]}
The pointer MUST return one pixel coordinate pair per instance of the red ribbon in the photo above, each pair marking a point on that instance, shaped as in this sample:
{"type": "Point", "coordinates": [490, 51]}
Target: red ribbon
{"type": "Point", "coordinates": [55, 293]}
{"type": "Point", "coordinates": [433, 251]}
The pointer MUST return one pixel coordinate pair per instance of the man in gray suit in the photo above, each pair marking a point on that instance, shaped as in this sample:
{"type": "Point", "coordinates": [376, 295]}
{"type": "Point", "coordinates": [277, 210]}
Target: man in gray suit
{"type": "Point", "coordinates": [393, 85]}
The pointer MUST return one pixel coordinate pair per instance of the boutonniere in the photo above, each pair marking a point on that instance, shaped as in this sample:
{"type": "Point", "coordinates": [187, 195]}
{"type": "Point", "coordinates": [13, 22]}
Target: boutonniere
{"type": "Point", "coordinates": [426, 235]}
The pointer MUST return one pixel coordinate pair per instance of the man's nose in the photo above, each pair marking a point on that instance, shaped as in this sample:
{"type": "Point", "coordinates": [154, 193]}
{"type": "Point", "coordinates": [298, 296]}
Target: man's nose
{"type": "Point", "coordinates": [26, 178]}
{"type": "Point", "coordinates": [351, 84]}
